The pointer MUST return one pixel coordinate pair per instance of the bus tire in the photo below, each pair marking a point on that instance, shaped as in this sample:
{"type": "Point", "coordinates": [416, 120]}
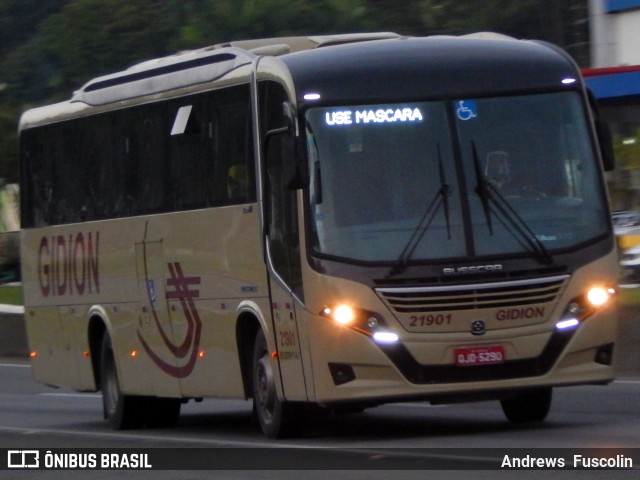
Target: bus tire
{"type": "Point", "coordinates": [276, 417]}
{"type": "Point", "coordinates": [527, 407]}
{"type": "Point", "coordinates": [122, 411]}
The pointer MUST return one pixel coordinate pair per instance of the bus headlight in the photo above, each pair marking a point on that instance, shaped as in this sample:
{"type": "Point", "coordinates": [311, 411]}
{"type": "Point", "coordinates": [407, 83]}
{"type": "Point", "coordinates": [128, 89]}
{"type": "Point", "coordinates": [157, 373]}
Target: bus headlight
{"type": "Point", "coordinates": [364, 321]}
{"type": "Point", "coordinates": [582, 307]}
{"type": "Point", "coordinates": [343, 314]}
{"type": "Point", "coordinates": [599, 296]}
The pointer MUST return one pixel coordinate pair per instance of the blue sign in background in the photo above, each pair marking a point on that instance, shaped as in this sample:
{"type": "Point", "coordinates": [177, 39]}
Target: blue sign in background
{"type": "Point", "coordinates": [613, 6]}
{"type": "Point", "coordinates": [620, 84]}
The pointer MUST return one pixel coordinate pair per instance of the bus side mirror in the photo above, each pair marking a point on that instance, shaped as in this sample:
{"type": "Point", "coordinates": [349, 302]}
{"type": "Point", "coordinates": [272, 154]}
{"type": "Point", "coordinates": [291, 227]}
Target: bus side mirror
{"type": "Point", "coordinates": [288, 151]}
{"type": "Point", "coordinates": [606, 145]}
{"type": "Point", "coordinates": [300, 176]}
{"type": "Point", "coordinates": [283, 148]}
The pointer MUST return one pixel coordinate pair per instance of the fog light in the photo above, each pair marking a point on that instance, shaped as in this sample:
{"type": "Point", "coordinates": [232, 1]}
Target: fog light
{"type": "Point", "coordinates": [341, 373]}
{"type": "Point", "coordinates": [604, 355]}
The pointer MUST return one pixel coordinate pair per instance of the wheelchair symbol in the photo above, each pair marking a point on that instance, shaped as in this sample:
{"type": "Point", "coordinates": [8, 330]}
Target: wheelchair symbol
{"type": "Point", "coordinates": [466, 110]}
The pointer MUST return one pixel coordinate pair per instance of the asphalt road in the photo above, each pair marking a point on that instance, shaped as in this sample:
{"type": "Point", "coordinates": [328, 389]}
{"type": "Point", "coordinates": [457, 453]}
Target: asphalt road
{"type": "Point", "coordinates": [405, 435]}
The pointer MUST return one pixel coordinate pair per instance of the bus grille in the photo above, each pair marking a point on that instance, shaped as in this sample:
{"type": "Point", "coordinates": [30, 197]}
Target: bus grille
{"type": "Point", "coordinates": [473, 297]}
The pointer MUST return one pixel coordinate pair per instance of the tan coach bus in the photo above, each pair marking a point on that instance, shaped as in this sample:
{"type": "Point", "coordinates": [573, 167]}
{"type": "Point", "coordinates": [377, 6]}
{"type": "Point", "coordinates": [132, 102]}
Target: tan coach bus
{"type": "Point", "coordinates": [321, 222]}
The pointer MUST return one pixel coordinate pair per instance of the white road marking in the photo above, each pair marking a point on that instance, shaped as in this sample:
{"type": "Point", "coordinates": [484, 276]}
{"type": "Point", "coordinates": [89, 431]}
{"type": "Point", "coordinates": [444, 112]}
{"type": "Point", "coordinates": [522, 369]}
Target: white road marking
{"type": "Point", "coordinates": [77, 395]}
{"type": "Point", "coordinates": [139, 436]}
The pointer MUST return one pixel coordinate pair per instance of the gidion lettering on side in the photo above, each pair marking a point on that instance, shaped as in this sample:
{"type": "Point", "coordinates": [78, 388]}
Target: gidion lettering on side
{"type": "Point", "coordinates": [69, 264]}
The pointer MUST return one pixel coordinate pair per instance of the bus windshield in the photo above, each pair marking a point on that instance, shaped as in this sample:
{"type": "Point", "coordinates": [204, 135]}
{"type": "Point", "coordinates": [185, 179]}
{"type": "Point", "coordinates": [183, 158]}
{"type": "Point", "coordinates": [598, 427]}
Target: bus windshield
{"type": "Point", "coordinates": [473, 177]}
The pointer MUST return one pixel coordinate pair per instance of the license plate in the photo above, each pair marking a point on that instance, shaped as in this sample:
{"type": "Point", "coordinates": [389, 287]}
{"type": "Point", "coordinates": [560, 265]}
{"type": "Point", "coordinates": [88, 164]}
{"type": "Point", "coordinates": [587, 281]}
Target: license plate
{"type": "Point", "coordinates": [488, 355]}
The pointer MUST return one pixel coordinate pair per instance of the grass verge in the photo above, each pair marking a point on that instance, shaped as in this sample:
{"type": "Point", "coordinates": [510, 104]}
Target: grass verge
{"type": "Point", "coordinates": [10, 295]}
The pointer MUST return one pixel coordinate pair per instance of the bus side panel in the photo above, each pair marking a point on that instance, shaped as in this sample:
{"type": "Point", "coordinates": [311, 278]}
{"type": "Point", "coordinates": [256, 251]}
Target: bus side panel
{"type": "Point", "coordinates": [53, 361]}
{"type": "Point", "coordinates": [73, 323]}
{"type": "Point", "coordinates": [153, 325]}
{"type": "Point", "coordinates": [213, 261]}
{"type": "Point", "coordinates": [137, 373]}
{"type": "Point", "coordinates": [216, 371]}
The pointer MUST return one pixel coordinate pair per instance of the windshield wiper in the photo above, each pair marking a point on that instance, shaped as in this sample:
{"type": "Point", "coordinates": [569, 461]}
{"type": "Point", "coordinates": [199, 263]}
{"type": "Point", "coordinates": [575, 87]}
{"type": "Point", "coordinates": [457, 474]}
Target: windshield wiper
{"type": "Point", "coordinates": [441, 198]}
{"type": "Point", "coordinates": [508, 216]}
{"type": "Point", "coordinates": [445, 191]}
{"type": "Point", "coordinates": [482, 187]}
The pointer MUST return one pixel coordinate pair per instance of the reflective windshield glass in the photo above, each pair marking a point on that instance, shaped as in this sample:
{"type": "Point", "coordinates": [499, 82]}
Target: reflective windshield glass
{"type": "Point", "coordinates": [398, 182]}
{"type": "Point", "coordinates": [377, 171]}
{"type": "Point", "coordinates": [534, 155]}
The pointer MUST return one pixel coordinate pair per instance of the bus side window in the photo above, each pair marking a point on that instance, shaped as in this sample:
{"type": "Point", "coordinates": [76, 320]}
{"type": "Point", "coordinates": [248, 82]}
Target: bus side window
{"type": "Point", "coordinates": [36, 187]}
{"type": "Point", "coordinates": [145, 147]}
{"type": "Point", "coordinates": [234, 181]}
{"type": "Point", "coordinates": [237, 183]}
{"type": "Point", "coordinates": [189, 162]}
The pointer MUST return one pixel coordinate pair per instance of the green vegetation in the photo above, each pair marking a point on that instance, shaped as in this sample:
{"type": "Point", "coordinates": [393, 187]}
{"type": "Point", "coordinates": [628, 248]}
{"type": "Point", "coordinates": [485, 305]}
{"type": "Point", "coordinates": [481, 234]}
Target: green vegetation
{"type": "Point", "coordinates": [10, 295]}
{"type": "Point", "coordinates": [629, 296]}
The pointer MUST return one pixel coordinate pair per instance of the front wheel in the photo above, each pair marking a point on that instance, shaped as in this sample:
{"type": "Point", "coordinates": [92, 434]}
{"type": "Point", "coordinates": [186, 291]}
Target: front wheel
{"type": "Point", "coordinates": [276, 417]}
{"type": "Point", "coordinates": [530, 406]}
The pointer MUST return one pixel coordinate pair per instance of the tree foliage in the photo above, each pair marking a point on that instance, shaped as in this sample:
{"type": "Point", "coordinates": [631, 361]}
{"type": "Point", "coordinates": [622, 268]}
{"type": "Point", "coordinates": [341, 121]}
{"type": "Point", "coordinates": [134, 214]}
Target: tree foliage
{"type": "Point", "coordinates": [20, 19]}
{"type": "Point", "coordinates": [48, 49]}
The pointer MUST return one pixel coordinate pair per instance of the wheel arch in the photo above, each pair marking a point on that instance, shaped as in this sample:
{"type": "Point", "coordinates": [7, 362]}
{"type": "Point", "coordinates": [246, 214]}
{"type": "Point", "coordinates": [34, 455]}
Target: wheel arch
{"type": "Point", "coordinates": [249, 322]}
{"type": "Point", "coordinates": [99, 326]}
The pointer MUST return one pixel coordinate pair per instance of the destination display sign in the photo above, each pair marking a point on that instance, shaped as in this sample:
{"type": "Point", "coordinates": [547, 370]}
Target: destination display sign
{"type": "Point", "coordinates": [374, 115]}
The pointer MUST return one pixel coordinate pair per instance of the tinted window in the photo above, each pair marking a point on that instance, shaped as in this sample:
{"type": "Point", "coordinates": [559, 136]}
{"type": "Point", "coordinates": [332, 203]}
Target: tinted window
{"type": "Point", "coordinates": [188, 153]}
